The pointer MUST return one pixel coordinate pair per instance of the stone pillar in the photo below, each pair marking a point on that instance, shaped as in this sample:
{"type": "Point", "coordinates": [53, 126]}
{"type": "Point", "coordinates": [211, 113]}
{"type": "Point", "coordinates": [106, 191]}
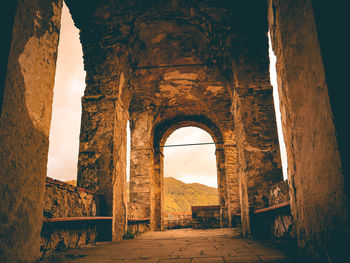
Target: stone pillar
{"type": "Point", "coordinates": [224, 201]}
{"type": "Point", "coordinates": [232, 173]}
{"type": "Point", "coordinates": [25, 125]}
{"type": "Point", "coordinates": [102, 156]}
{"type": "Point", "coordinates": [157, 192]}
{"type": "Point", "coordinates": [141, 161]}
{"type": "Point", "coordinates": [258, 149]}
{"type": "Point", "coordinates": [120, 218]}
{"type": "Point", "coordinates": [319, 205]}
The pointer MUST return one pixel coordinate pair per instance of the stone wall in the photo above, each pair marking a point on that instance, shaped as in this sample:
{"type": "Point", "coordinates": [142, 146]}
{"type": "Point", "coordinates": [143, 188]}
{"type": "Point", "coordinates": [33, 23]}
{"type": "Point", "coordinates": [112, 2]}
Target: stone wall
{"type": "Point", "coordinates": [177, 220]}
{"type": "Point", "coordinates": [102, 156]}
{"type": "Point", "coordinates": [275, 219]}
{"type": "Point", "coordinates": [71, 218]}
{"type": "Point", "coordinates": [281, 224]}
{"type": "Point", "coordinates": [279, 193]}
{"type": "Point", "coordinates": [194, 59]}
{"type": "Point", "coordinates": [67, 221]}
{"type": "Point", "coordinates": [206, 216]}
{"type": "Point", "coordinates": [56, 236]}
{"type": "Point", "coordinates": [138, 218]}
{"type": "Point", "coordinates": [137, 227]}
{"type": "Point", "coordinates": [136, 211]}
{"type": "Point", "coordinates": [65, 200]}
{"type": "Point", "coordinates": [258, 149]}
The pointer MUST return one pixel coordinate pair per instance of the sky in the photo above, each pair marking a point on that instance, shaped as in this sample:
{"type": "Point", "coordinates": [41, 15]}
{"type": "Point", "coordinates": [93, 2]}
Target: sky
{"type": "Point", "coordinates": [273, 79]}
{"type": "Point", "coordinates": [179, 162]}
{"type": "Point", "coordinates": [66, 114]}
{"type": "Point", "coordinates": [191, 164]}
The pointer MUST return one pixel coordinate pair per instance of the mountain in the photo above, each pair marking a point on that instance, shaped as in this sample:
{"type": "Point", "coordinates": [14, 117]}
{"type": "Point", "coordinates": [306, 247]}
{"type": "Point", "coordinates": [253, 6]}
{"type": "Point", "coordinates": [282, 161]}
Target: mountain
{"type": "Point", "coordinates": [179, 196]}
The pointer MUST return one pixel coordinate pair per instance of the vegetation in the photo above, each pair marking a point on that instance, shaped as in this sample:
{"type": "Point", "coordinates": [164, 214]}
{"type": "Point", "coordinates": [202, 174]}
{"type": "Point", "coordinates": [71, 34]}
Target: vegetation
{"type": "Point", "coordinates": [72, 182]}
{"type": "Point", "coordinates": [129, 235]}
{"type": "Point", "coordinates": [179, 196]}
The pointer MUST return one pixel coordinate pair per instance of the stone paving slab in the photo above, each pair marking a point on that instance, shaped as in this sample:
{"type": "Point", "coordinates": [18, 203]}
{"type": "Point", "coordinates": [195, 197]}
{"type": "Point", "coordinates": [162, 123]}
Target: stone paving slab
{"type": "Point", "coordinates": [177, 246]}
{"type": "Point", "coordinates": [208, 260]}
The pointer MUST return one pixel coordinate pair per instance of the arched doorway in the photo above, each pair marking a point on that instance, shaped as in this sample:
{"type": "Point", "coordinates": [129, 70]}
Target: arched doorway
{"type": "Point", "coordinates": [190, 175]}
{"type": "Point", "coordinates": [161, 133]}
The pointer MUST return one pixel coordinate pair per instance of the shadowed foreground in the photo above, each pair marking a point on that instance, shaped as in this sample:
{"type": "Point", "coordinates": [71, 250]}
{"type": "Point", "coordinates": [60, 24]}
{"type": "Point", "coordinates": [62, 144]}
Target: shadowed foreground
{"type": "Point", "coordinates": [182, 245]}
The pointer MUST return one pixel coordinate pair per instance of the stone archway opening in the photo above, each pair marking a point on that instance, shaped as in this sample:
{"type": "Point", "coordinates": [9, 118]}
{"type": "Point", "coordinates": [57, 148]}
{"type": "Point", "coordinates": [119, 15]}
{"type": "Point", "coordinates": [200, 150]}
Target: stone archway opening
{"type": "Point", "coordinates": [190, 175]}
{"type": "Point", "coordinates": [227, 193]}
{"type": "Point", "coordinates": [66, 108]}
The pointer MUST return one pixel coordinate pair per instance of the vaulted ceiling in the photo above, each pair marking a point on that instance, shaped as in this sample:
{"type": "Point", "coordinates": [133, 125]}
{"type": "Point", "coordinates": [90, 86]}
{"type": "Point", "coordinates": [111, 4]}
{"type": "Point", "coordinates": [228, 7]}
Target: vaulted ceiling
{"type": "Point", "coordinates": [173, 54]}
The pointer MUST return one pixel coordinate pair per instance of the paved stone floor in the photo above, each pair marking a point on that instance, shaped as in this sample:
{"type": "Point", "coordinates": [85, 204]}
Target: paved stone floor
{"type": "Point", "coordinates": [177, 246]}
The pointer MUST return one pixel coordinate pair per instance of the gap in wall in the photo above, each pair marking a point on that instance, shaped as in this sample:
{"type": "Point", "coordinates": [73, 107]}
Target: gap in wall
{"type": "Point", "coordinates": [274, 83]}
{"type": "Point", "coordinates": [192, 165]}
{"type": "Point", "coordinates": [66, 111]}
{"type": "Point", "coordinates": [128, 143]}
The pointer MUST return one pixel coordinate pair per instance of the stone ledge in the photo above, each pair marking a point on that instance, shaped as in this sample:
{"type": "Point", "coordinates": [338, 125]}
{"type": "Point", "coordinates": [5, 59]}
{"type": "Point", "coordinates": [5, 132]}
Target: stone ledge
{"type": "Point", "coordinates": [65, 186]}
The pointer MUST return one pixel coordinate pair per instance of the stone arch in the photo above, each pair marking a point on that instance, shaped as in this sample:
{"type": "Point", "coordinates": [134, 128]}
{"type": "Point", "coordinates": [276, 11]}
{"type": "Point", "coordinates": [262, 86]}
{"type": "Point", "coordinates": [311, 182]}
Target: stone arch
{"type": "Point", "coordinates": [164, 129]}
{"type": "Point", "coordinates": [161, 132]}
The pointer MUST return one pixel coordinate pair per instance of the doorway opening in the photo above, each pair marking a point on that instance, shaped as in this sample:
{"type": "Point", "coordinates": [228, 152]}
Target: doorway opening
{"type": "Point", "coordinates": [190, 175]}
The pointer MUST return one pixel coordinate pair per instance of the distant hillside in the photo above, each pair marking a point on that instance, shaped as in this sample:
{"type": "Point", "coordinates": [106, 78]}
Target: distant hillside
{"type": "Point", "coordinates": [72, 182]}
{"type": "Point", "coordinates": [179, 196]}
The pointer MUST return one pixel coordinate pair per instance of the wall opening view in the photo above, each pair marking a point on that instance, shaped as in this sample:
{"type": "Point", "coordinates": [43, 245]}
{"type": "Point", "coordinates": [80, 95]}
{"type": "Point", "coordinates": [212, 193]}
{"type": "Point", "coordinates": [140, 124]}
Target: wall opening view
{"type": "Point", "coordinates": [190, 175]}
{"type": "Point", "coordinates": [128, 145]}
{"type": "Point", "coordinates": [273, 78]}
{"type": "Point", "coordinates": [66, 113]}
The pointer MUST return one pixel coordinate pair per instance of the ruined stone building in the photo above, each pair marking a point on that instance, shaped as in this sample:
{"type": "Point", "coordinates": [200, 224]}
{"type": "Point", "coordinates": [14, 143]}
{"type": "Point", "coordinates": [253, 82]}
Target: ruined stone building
{"type": "Point", "coordinates": [167, 64]}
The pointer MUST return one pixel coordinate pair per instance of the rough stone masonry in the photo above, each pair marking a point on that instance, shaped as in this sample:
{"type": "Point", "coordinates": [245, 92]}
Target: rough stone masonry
{"type": "Point", "coordinates": [164, 65]}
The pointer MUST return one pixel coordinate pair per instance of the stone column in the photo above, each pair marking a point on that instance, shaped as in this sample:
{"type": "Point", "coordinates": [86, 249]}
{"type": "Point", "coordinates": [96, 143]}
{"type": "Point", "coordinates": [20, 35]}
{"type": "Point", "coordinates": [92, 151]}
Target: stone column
{"type": "Point", "coordinates": [25, 124]}
{"type": "Point", "coordinates": [157, 192]}
{"type": "Point", "coordinates": [319, 204]}
{"type": "Point", "coordinates": [224, 201]}
{"type": "Point", "coordinates": [232, 172]}
{"type": "Point", "coordinates": [258, 149]}
{"type": "Point", "coordinates": [141, 162]}
{"type": "Point", "coordinates": [120, 218]}
{"type": "Point", "coordinates": [102, 156]}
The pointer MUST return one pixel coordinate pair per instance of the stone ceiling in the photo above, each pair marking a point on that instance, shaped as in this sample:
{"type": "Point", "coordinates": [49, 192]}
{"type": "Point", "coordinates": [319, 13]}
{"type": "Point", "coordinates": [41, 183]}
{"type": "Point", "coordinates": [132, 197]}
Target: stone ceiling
{"type": "Point", "coordinates": [173, 54]}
